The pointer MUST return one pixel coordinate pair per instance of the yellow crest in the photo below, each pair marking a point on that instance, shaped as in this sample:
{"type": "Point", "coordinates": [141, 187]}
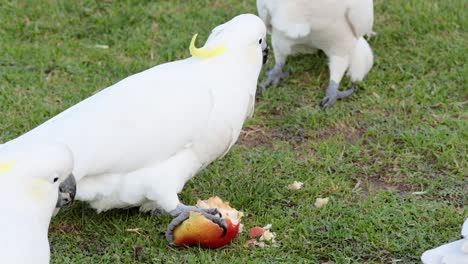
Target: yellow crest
{"type": "Point", "coordinates": [204, 53]}
{"type": "Point", "coordinates": [6, 166]}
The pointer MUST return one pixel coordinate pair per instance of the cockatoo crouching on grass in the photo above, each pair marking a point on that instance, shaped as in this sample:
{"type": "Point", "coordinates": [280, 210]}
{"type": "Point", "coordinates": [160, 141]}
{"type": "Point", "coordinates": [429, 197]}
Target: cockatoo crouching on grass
{"type": "Point", "coordinates": [336, 27]}
{"type": "Point", "coordinates": [29, 193]}
{"type": "Point", "coordinates": [452, 253]}
{"type": "Point", "coordinates": [137, 142]}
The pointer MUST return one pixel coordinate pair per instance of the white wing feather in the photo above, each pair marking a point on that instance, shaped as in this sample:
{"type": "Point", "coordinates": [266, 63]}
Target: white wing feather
{"type": "Point", "coordinates": [264, 13]}
{"type": "Point", "coordinates": [114, 131]}
{"type": "Point", "coordinates": [297, 18]}
{"type": "Point", "coordinates": [464, 231]}
{"type": "Point", "coordinates": [360, 16]}
{"type": "Point", "coordinates": [454, 252]}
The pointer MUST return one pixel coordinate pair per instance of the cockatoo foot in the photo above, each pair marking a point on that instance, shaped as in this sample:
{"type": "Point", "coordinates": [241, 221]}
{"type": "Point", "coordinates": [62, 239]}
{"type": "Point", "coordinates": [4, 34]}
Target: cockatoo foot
{"type": "Point", "coordinates": [333, 95]}
{"type": "Point", "coordinates": [274, 77]}
{"type": "Point", "coordinates": [182, 213]}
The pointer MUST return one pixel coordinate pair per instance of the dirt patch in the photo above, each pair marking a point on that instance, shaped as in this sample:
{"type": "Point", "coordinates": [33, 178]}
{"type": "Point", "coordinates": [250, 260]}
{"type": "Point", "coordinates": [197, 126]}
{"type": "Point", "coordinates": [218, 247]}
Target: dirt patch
{"type": "Point", "coordinates": [259, 136]}
{"type": "Point", "coordinates": [454, 195]}
{"type": "Point", "coordinates": [380, 171]}
{"type": "Point", "coordinates": [92, 245]}
{"type": "Point", "coordinates": [255, 136]}
{"type": "Point", "coordinates": [294, 135]}
{"type": "Point", "coordinates": [64, 228]}
{"type": "Point", "coordinates": [373, 184]}
{"type": "Point", "coordinates": [138, 254]}
{"type": "Point", "coordinates": [350, 133]}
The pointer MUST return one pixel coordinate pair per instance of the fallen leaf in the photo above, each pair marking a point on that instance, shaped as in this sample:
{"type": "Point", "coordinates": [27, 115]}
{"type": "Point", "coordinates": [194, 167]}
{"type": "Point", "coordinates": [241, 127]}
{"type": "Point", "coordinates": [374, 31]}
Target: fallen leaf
{"type": "Point", "coordinates": [101, 46]}
{"type": "Point", "coordinates": [134, 230]}
{"type": "Point", "coordinates": [295, 185]}
{"type": "Point", "coordinates": [268, 236]}
{"type": "Point", "coordinates": [321, 202]}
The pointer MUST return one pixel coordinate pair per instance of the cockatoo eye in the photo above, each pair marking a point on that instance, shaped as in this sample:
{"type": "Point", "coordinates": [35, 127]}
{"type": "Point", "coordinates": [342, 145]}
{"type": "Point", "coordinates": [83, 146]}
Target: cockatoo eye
{"type": "Point", "coordinates": [56, 179]}
{"type": "Point", "coordinates": [260, 41]}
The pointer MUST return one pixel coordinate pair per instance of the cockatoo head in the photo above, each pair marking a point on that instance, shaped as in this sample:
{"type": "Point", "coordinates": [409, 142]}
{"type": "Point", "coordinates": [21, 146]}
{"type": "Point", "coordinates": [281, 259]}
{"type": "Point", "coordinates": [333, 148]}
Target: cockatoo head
{"type": "Point", "coordinates": [33, 178]}
{"type": "Point", "coordinates": [244, 36]}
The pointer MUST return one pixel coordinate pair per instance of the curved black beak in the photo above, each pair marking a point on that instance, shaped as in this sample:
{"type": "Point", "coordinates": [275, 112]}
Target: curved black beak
{"type": "Point", "coordinates": [67, 192]}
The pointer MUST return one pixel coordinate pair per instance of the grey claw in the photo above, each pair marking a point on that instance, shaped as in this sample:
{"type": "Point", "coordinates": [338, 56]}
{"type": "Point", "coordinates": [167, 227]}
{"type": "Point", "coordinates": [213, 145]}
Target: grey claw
{"type": "Point", "coordinates": [211, 214]}
{"type": "Point", "coordinates": [212, 211]}
{"type": "Point", "coordinates": [275, 82]}
{"type": "Point", "coordinates": [173, 224]}
{"type": "Point", "coordinates": [282, 76]}
{"type": "Point", "coordinates": [346, 93]}
{"type": "Point", "coordinates": [274, 77]}
{"type": "Point", "coordinates": [333, 95]}
{"type": "Point", "coordinates": [327, 102]}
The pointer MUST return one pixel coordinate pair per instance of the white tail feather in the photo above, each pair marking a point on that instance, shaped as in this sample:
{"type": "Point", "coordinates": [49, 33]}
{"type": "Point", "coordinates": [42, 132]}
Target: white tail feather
{"type": "Point", "coordinates": [361, 61]}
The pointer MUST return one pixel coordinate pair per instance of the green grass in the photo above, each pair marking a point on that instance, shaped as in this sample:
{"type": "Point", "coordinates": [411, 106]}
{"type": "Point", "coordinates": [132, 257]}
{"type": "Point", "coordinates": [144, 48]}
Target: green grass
{"type": "Point", "coordinates": [404, 131]}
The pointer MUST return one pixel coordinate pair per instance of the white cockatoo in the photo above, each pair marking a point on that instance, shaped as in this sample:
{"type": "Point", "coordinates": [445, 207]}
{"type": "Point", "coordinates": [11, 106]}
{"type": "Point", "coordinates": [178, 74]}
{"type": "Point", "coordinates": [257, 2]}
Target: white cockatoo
{"type": "Point", "coordinates": [67, 188]}
{"type": "Point", "coordinates": [29, 191]}
{"type": "Point", "coordinates": [452, 253]}
{"type": "Point", "coordinates": [137, 142]}
{"type": "Point", "coordinates": [336, 27]}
